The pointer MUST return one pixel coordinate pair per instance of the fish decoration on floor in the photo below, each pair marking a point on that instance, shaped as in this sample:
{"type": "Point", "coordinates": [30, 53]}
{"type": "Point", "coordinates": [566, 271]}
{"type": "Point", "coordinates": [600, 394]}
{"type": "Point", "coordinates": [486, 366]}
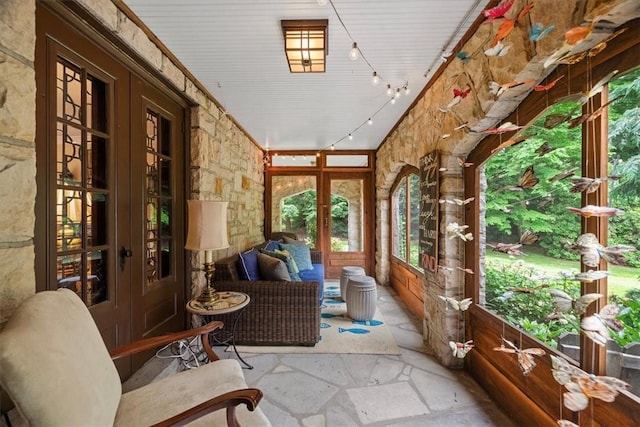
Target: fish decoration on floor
{"type": "Point", "coordinates": [460, 349]}
{"type": "Point", "coordinates": [358, 331]}
{"type": "Point", "coordinates": [563, 303]}
{"type": "Point", "coordinates": [582, 386]}
{"type": "Point", "coordinates": [592, 251]}
{"type": "Point", "coordinates": [371, 322]}
{"type": "Point", "coordinates": [591, 210]}
{"type": "Point", "coordinates": [331, 315]}
{"type": "Point", "coordinates": [456, 230]}
{"type": "Point", "coordinates": [324, 325]}
{"type": "Point", "coordinates": [597, 326]}
{"type": "Point", "coordinates": [462, 305]}
{"type": "Point", "coordinates": [524, 356]}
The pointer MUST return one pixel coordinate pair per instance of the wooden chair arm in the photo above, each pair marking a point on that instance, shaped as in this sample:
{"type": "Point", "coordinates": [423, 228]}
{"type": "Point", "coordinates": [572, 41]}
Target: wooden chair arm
{"type": "Point", "coordinates": [155, 342]}
{"type": "Point", "coordinates": [249, 396]}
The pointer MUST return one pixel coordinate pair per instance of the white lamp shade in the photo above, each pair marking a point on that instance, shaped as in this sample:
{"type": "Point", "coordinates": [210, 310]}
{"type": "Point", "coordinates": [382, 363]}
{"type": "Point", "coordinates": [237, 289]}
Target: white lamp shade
{"type": "Point", "coordinates": [207, 226]}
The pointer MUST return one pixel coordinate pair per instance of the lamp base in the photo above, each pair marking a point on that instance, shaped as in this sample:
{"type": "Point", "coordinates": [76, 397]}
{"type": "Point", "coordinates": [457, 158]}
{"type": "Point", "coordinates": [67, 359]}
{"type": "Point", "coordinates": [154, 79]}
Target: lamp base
{"type": "Point", "coordinates": [208, 295]}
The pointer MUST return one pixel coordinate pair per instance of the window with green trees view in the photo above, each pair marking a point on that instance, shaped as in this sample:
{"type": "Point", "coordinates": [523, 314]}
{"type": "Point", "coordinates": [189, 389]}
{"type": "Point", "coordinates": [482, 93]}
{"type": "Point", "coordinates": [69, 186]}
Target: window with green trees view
{"type": "Point", "coordinates": [536, 249]}
{"type": "Point", "coordinates": [405, 208]}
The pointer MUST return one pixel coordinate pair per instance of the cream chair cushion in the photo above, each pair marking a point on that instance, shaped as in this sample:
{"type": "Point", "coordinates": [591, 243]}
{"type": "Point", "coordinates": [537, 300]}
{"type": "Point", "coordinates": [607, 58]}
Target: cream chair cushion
{"type": "Point", "coordinates": [58, 372]}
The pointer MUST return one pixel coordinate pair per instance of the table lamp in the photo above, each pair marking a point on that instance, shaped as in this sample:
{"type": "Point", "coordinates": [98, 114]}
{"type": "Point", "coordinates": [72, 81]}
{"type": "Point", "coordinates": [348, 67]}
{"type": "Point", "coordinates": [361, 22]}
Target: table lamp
{"type": "Point", "coordinates": [207, 231]}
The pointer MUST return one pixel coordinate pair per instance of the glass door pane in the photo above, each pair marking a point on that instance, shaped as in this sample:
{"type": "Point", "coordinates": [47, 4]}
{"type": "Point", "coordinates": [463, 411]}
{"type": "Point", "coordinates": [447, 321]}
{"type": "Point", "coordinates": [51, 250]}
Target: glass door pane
{"type": "Point", "coordinates": [294, 206]}
{"type": "Point", "coordinates": [346, 215]}
{"type": "Point", "coordinates": [82, 195]}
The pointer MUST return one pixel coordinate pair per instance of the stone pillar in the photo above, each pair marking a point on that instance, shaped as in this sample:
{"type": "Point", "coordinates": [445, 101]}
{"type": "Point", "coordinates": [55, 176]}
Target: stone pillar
{"type": "Point", "coordinates": [17, 153]}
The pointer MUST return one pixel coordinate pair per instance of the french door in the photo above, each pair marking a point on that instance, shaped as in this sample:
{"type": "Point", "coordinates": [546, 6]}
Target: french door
{"type": "Point", "coordinates": [347, 222]}
{"type": "Point", "coordinates": [109, 209]}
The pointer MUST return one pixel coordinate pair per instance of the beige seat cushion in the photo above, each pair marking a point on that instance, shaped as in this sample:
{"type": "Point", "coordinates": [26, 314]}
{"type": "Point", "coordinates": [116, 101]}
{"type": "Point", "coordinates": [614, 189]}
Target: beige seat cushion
{"type": "Point", "coordinates": [54, 364]}
{"type": "Point", "coordinates": [169, 396]}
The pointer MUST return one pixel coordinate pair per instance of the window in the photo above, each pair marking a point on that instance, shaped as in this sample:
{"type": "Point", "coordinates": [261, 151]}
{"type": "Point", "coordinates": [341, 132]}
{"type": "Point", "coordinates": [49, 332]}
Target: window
{"type": "Point", "coordinates": [542, 251]}
{"type": "Point", "coordinates": [405, 208]}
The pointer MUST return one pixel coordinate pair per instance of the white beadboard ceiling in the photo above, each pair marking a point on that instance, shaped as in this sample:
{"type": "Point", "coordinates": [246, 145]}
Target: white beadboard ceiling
{"type": "Point", "coordinates": [235, 48]}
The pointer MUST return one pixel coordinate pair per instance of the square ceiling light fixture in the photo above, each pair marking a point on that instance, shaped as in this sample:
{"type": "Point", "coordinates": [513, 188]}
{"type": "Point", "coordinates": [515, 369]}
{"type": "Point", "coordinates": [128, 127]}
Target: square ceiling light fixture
{"type": "Point", "coordinates": [306, 44]}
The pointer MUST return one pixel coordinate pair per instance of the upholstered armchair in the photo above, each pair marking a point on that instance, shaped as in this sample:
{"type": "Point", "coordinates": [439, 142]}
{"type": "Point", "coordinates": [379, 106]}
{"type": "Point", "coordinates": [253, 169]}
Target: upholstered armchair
{"type": "Point", "coordinates": [56, 368]}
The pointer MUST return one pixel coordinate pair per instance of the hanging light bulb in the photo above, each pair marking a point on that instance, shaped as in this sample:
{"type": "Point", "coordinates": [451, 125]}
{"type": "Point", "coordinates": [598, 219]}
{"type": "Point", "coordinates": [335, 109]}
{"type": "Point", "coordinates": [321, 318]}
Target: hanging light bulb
{"type": "Point", "coordinates": [375, 80]}
{"type": "Point", "coordinates": [322, 2]}
{"type": "Point", "coordinates": [406, 90]}
{"type": "Point", "coordinates": [350, 137]}
{"type": "Point", "coordinates": [393, 100]}
{"type": "Point", "coordinates": [397, 95]}
{"type": "Point", "coordinates": [369, 122]}
{"type": "Point", "coordinates": [389, 90]}
{"type": "Point", "coordinates": [353, 53]}
{"type": "Point", "coordinates": [333, 146]}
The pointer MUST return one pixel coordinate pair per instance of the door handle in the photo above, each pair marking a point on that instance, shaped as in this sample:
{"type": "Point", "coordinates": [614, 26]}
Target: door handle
{"type": "Point", "coordinates": [124, 254]}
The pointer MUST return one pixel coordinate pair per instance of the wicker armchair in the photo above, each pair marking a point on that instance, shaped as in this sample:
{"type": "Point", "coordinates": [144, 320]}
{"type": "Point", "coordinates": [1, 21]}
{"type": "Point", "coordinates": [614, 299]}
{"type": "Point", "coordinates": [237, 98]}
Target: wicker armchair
{"type": "Point", "coordinates": [280, 312]}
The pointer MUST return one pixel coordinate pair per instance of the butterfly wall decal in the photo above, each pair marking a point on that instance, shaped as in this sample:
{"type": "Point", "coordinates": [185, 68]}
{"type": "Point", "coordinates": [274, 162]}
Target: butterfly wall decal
{"type": "Point", "coordinates": [553, 120]}
{"type": "Point", "coordinates": [462, 305]}
{"type": "Point", "coordinates": [463, 56]}
{"type": "Point", "coordinates": [460, 349]}
{"type": "Point", "coordinates": [498, 11]}
{"type": "Point", "coordinates": [524, 356]}
{"type": "Point", "coordinates": [590, 185]}
{"type": "Point", "coordinates": [458, 202]}
{"type": "Point", "coordinates": [458, 95]}
{"type": "Point", "coordinates": [505, 127]}
{"type": "Point", "coordinates": [510, 143]}
{"type": "Point", "coordinates": [528, 237]}
{"type": "Point", "coordinates": [528, 180]}
{"type": "Point", "coordinates": [589, 117]}
{"type": "Point", "coordinates": [550, 85]}
{"type": "Point", "coordinates": [539, 31]}
{"type": "Point", "coordinates": [577, 34]}
{"type": "Point", "coordinates": [582, 386]}
{"type": "Point", "coordinates": [590, 276]}
{"type": "Point", "coordinates": [563, 303]}
{"type": "Point", "coordinates": [456, 230]}
{"type": "Point", "coordinates": [592, 251]}
{"type": "Point", "coordinates": [597, 88]}
{"type": "Point", "coordinates": [500, 49]}
{"type": "Point", "coordinates": [597, 325]}
{"type": "Point", "coordinates": [498, 89]}
{"type": "Point", "coordinates": [503, 31]}
{"type": "Point", "coordinates": [563, 175]}
{"type": "Point", "coordinates": [544, 148]}
{"type": "Point", "coordinates": [507, 248]}
{"type": "Point", "coordinates": [598, 211]}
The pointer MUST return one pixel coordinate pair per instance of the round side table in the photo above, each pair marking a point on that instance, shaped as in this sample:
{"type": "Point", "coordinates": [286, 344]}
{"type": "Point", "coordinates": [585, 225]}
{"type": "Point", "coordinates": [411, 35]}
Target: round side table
{"type": "Point", "coordinates": [227, 303]}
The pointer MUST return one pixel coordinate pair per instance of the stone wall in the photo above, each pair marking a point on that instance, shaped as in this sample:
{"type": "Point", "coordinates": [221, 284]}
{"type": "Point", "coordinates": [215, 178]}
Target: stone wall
{"type": "Point", "coordinates": [426, 128]}
{"type": "Point", "coordinates": [17, 153]}
{"type": "Point", "coordinates": [225, 163]}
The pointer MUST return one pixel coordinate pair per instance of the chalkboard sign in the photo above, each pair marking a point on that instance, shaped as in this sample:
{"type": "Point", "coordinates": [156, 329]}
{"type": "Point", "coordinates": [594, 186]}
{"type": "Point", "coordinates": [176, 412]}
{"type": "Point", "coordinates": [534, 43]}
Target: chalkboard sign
{"type": "Point", "coordinates": [429, 191]}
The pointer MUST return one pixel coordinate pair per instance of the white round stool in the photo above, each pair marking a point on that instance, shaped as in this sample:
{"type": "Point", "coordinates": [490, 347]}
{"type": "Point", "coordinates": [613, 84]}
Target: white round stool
{"type": "Point", "coordinates": [361, 297]}
{"type": "Point", "coordinates": [347, 272]}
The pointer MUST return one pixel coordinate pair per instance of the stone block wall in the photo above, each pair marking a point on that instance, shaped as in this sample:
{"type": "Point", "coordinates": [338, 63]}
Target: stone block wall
{"type": "Point", "coordinates": [17, 153]}
{"type": "Point", "coordinates": [225, 163]}
{"type": "Point", "coordinates": [425, 128]}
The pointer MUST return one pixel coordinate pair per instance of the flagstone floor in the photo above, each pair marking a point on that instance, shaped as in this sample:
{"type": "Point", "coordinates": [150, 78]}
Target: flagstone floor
{"type": "Point", "coordinates": [342, 390]}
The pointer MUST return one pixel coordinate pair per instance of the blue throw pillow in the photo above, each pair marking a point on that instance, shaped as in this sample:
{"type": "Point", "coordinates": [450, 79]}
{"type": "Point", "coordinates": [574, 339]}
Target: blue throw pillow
{"type": "Point", "coordinates": [300, 253]}
{"type": "Point", "coordinates": [288, 261]}
{"type": "Point", "coordinates": [271, 245]}
{"type": "Point", "coordinates": [248, 268]}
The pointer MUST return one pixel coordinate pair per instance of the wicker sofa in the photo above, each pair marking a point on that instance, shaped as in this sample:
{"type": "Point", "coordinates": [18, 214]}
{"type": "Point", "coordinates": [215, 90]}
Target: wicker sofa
{"type": "Point", "coordinates": [280, 312]}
